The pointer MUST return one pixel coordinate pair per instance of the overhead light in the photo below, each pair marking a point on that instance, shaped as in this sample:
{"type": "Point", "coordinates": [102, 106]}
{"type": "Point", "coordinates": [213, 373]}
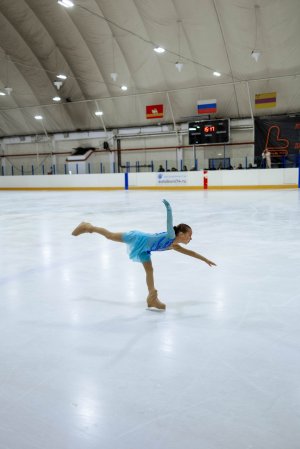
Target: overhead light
{"type": "Point", "coordinates": [61, 76]}
{"type": "Point", "coordinates": [66, 3]}
{"type": "Point", "coordinates": [2, 94]}
{"type": "Point", "coordinates": [255, 54]}
{"type": "Point", "coordinates": [98, 113]}
{"type": "Point", "coordinates": [58, 84]}
{"type": "Point", "coordinates": [216, 73]}
{"type": "Point", "coordinates": [179, 66]}
{"type": "Point", "coordinates": [114, 76]}
{"type": "Point", "coordinates": [38, 117]}
{"type": "Point", "coordinates": [159, 49]}
{"type": "Point", "coordinates": [124, 87]}
{"type": "Point", "coordinates": [56, 98]}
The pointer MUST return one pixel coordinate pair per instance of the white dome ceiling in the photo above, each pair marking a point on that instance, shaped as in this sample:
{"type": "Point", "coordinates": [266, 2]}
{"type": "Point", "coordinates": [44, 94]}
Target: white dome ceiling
{"type": "Point", "coordinates": [40, 39]}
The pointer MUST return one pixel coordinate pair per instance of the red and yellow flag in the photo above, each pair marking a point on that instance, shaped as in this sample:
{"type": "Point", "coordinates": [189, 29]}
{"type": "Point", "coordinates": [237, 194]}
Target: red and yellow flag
{"type": "Point", "coordinates": [155, 111]}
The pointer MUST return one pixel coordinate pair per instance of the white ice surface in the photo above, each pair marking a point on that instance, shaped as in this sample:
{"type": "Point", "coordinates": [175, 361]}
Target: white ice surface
{"type": "Point", "coordinates": [84, 365]}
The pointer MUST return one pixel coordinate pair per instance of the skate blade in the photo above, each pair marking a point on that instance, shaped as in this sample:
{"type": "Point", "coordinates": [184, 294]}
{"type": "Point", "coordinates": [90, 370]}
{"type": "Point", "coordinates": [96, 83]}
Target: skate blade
{"type": "Point", "coordinates": [154, 309]}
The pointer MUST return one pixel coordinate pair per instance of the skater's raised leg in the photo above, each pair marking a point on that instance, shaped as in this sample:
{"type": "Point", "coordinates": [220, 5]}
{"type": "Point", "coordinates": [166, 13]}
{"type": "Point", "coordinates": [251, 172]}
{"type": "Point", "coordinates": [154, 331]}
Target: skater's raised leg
{"type": "Point", "coordinates": [89, 228]}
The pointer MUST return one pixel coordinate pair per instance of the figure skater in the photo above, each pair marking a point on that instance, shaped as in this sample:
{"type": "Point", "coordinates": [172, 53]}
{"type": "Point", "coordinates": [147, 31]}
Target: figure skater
{"type": "Point", "coordinates": [140, 245]}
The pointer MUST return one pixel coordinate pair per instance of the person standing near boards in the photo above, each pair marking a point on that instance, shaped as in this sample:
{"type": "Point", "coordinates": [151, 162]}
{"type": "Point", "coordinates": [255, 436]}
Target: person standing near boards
{"type": "Point", "coordinates": [266, 155]}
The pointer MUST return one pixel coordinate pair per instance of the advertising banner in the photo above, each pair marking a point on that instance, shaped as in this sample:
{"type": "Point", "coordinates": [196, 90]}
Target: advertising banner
{"type": "Point", "coordinates": [172, 178]}
{"type": "Point", "coordinates": [279, 135]}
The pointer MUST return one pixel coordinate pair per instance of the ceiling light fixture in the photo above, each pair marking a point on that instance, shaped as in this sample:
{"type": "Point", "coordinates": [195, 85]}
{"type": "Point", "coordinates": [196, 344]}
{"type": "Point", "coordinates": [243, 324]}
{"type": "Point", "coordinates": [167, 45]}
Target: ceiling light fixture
{"type": "Point", "coordinates": [179, 66]}
{"type": "Point", "coordinates": [66, 3]}
{"type": "Point", "coordinates": [114, 76]}
{"type": "Point", "coordinates": [124, 87]}
{"type": "Point", "coordinates": [56, 98]}
{"type": "Point", "coordinates": [57, 84]}
{"type": "Point", "coordinates": [8, 90]}
{"type": "Point", "coordinates": [255, 54]}
{"type": "Point", "coordinates": [216, 73]}
{"type": "Point", "coordinates": [98, 113]}
{"type": "Point", "coordinates": [61, 76]}
{"type": "Point", "coordinates": [159, 49]}
{"type": "Point", "coordinates": [2, 94]}
{"type": "Point", "coordinates": [38, 117]}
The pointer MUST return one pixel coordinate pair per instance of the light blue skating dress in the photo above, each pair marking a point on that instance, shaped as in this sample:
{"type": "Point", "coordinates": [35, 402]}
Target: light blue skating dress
{"type": "Point", "coordinates": [141, 244]}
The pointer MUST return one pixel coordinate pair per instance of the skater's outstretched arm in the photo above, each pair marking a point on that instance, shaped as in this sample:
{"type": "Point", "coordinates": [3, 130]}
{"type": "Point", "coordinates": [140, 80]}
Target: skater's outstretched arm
{"type": "Point", "coordinates": [170, 229]}
{"type": "Point", "coordinates": [188, 252]}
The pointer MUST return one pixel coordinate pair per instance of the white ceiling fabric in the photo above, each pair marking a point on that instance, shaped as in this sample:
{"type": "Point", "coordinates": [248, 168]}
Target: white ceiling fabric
{"type": "Point", "coordinates": [40, 38]}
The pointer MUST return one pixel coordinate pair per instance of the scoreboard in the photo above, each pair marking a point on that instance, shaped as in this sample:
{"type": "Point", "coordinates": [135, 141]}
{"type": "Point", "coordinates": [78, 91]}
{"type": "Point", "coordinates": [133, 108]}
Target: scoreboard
{"type": "Point", "coordinates": [209, 132]}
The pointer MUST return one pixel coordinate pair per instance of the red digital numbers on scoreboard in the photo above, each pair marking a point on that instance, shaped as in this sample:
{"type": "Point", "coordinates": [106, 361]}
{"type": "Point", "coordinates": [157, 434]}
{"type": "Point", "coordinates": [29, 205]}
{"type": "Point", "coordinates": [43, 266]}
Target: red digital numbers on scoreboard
{"type": "Point", "coordinates": [209, 129]}
{"type": "Point", "coordinates": [209, 132]}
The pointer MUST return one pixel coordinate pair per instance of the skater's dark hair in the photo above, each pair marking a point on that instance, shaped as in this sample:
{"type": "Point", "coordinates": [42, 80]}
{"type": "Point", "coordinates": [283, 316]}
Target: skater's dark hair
{"type": "Point", "coordinates": [182, 228]}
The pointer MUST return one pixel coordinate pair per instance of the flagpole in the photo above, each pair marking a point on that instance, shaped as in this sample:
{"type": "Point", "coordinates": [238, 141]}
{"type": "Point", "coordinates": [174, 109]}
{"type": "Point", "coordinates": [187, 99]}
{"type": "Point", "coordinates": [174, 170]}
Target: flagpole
{"type": "Point", "coordinates": [252, 116]}
{"type": "Point", "coordinates": [173, 118]}
{"type": "Point", "coordinates": [179, 155]}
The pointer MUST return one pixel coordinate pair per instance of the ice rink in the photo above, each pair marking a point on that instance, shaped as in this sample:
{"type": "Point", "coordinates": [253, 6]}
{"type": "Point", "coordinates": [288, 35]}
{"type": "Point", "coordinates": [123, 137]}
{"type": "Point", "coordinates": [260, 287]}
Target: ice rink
{"type": "Point", "coordinates": [84, 364]}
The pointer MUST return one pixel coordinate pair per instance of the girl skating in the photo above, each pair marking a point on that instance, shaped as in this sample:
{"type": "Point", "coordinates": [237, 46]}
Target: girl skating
{"type": "Point", "coordinates": [141, 244]}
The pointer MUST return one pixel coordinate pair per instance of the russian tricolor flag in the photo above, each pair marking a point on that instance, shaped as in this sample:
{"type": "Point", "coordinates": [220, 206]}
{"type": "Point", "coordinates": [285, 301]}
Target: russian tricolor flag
{"type": "Point", "coordinates": [207, 106]}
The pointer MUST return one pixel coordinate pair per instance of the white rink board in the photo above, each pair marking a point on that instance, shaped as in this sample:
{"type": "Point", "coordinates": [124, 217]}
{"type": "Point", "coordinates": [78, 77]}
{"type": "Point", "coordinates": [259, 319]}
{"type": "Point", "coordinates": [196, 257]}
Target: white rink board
{"type": "Point", "coordinates": [181, 180]}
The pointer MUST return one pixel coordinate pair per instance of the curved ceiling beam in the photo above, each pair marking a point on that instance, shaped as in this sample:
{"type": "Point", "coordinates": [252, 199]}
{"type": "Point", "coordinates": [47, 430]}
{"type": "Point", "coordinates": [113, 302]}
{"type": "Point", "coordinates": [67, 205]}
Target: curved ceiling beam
{"type": "Point", "coordinates": [129, 50]}
{"type": "Point", "coordinates": [48, 24]}
{"type": "Point", "coordinates": [227, 55]}
{"type": "Point", "coordinates": [12, 122]}
{"type": "Point", "coordinates": [33, 74]}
